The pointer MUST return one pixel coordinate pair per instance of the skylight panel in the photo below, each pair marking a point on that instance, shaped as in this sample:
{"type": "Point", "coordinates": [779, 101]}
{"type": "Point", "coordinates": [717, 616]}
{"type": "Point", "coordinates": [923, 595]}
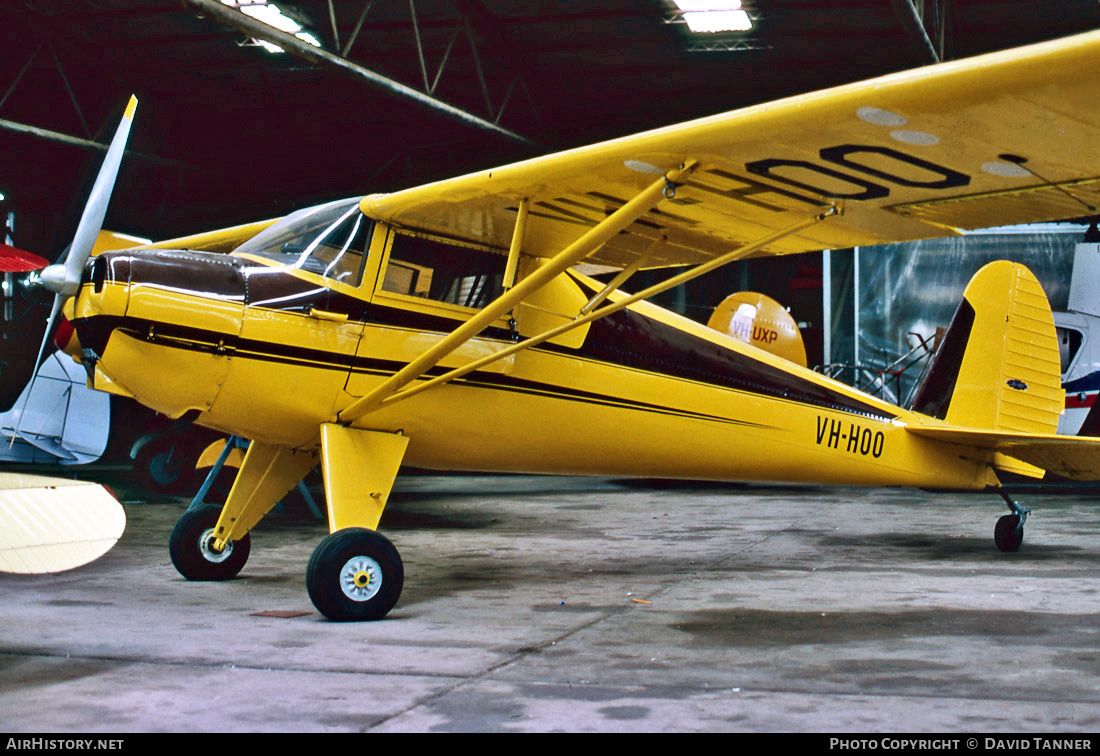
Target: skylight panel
{"type": "Point", "coordinates": [272, 15]}
{"type": "Point", "coordinates": [713, 16]}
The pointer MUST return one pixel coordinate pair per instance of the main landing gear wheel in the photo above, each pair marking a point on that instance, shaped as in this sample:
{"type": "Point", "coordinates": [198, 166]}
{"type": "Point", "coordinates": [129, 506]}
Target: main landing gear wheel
{"type": "Point", "coordinates": [1009, 533]}
{"type": "Point", "coordinates": [355, 574]}
{"type": "Point", "coordinates": [191, 546]}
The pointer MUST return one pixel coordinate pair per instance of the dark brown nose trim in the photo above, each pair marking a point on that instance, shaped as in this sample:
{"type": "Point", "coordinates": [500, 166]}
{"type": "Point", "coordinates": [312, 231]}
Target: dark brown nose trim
{"type": "Point", "coordinates": [202, 273]}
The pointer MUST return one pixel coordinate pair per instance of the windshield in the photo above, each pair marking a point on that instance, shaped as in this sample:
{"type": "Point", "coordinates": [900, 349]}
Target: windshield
{"type": "Point", "coordinates": [328, 240]}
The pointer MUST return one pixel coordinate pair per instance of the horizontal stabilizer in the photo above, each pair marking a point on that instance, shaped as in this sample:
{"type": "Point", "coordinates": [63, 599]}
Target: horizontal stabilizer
{"type": "Point", "coordinates": [45, 443]}
{"type": "Point", "coordinates": [54, 524]}
{"type": "Point", "coordinates": [1072, 457]}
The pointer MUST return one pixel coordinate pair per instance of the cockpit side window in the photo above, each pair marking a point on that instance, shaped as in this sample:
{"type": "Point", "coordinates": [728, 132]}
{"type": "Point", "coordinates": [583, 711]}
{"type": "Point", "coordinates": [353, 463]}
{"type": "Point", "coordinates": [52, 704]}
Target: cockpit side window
{"type": "Point", "coordinates": [338, 251]}
{"type": "Point", "coordinates": [330, 240]}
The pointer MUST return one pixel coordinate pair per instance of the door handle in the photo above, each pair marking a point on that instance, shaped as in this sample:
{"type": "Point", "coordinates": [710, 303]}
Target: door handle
{"type": "Point", "coordinates": [335, 317]}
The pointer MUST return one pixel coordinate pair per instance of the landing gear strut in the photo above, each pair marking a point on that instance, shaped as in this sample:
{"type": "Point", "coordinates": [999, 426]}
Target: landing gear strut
{"type": "Point", "coordinates": [1009, 533]}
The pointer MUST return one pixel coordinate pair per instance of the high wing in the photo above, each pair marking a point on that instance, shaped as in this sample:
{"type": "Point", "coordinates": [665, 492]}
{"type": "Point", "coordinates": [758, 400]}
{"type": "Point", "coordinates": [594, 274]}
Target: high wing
{"type": "Point", "coordinates": [1008, 137]}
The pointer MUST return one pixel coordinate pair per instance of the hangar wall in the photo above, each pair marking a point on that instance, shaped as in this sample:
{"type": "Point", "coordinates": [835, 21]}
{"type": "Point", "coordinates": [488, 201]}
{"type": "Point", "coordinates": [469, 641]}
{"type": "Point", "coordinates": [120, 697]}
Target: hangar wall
{"type": "Point", "coordinates": [879, 299]}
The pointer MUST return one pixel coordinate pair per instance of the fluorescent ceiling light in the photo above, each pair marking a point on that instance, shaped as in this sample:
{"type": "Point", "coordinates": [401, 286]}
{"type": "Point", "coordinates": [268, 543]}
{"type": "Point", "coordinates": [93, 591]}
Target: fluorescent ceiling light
{"type": "Point", "coordinates": [271, 48]}
{"type": "Point", "coordinates": [308, 38]}
{"type": "Point", "coordinates": [273, 16]}
{"type": "Point", "coordinates": [710, 16]}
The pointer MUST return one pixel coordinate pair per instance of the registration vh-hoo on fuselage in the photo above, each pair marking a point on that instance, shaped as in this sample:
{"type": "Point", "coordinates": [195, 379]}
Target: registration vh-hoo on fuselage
{"type": "Point", "coordinates": [452, 327]}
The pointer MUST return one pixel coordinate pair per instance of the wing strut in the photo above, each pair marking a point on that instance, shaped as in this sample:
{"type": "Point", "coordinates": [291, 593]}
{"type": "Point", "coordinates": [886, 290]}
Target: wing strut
{"type": "Point", "coordinates": [623, 275]}
{"type": "Point", "coordinates": [592, 240]}
{"type": "Point", "coordinates": [517, 244]}
{"type": "Point", "coordinates": [588, 317]}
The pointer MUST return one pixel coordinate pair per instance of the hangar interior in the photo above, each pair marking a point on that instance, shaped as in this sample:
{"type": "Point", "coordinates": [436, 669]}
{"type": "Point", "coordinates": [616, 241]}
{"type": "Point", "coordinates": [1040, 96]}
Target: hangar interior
{"type": "Point", "coordinates": [533, 603]}
{"type": "Point", "coordinates": [375, 96]}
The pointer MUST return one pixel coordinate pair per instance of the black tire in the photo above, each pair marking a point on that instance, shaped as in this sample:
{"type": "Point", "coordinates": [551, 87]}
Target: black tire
{"type": "Point", "coordinates": [165, 466]}
{"type": "Point", "coordinates": [354, 575]}
{"type": "Point", "coordinates": [191, 552]}
{"type": "Point", "coordinates": [1008, 535]}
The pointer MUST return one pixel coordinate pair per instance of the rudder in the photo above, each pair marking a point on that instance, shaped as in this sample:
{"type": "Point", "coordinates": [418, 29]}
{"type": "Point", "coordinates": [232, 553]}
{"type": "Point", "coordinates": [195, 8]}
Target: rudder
{"type": "Point", "coordinates": [997, 366]}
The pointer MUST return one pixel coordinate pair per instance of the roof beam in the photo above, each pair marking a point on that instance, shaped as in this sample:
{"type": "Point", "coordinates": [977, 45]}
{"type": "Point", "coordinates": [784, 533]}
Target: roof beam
{"type": "Point", "coordinates": [57, 136]}
{"type": "Point", "coordinates": [235, 19]}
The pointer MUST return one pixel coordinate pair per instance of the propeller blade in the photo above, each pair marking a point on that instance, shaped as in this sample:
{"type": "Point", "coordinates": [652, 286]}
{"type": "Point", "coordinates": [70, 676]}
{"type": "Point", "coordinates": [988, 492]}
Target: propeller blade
{"type": "Point", "coordinates": [63, 279]}
{"type": "Point", "coordinates": [91, 221]}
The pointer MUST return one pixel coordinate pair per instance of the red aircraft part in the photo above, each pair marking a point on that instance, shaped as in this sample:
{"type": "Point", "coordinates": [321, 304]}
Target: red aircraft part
{"type": "Point", "coordinates": [15, 260]}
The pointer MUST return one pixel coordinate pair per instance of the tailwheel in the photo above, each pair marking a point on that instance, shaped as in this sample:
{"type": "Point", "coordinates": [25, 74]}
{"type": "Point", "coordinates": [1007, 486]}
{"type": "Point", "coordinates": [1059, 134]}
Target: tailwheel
{"type": "Point", "coordinates": [1009, 533]}
{"type": "Point", "coordinates": [191, 547]}
{"type": "Point", "coordinates": [355, 574]}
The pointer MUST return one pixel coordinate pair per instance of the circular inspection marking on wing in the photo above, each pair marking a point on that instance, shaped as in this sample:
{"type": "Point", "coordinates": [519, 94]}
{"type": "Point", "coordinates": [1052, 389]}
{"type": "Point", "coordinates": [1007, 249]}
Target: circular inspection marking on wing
{"type": "Point", "coordinates": [917, 138]}
{"type": "Point", "coordinates": [1005, 170]}
{"type": "Point", "coordinates": [880, 117]}
{"type": "Point", "coordinates": [643, 167]}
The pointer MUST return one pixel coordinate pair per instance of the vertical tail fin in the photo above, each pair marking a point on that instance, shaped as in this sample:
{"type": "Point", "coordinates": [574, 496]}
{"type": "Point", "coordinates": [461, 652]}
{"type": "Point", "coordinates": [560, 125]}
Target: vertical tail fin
{"type": "Point", "coordinates": [997, 367]}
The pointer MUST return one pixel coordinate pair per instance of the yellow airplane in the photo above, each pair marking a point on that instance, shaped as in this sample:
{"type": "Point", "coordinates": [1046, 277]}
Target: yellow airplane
{"type": "Point", "coordinates": [456, 326]}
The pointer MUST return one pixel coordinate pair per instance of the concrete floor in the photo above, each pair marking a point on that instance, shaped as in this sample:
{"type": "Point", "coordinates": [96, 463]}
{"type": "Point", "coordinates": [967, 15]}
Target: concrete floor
{"type": "Point", "coordinates": [546, 604]}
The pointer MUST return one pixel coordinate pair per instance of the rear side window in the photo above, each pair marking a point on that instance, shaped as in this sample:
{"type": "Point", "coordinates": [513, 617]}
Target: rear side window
{"type": "Point", "coordinates": [443, 271]}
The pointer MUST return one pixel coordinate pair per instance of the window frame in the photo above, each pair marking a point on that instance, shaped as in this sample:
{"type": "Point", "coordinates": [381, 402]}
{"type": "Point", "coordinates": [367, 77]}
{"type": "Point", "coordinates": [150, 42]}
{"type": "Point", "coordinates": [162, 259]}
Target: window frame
{"type": "Point", "coordinates": [368, 269]}
{"type": "Point", "coordinates": [1075, 354]}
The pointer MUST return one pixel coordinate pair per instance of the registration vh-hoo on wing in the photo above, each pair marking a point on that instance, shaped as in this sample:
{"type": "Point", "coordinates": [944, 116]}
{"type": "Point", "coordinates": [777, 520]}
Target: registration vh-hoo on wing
{"type": "Point", "coordinates": [452, 326]}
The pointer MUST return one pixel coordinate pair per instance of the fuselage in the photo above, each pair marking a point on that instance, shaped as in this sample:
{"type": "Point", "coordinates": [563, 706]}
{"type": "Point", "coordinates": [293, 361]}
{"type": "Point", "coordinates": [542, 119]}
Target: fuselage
{"type": "Point", "coordinates": [260, 347]}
